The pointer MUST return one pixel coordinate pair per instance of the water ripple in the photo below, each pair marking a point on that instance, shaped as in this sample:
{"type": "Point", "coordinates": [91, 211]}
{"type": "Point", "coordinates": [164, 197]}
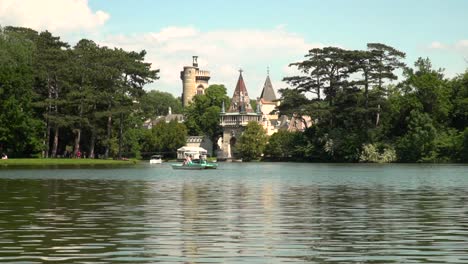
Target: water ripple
{"type": "Point", "coordinates": [253, 218]}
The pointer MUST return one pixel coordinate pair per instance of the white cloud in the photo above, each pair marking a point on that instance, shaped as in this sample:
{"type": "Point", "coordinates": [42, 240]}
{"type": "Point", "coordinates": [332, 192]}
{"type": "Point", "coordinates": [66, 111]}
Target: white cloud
{"type": "Point", "coordinates": [222, 52]}
{"type": "Point", "coordinates": [462, 45]}
{"type": "Point", "coordinates": [436, 45]}
{"type": "Point", "coordinates": [53, 15]}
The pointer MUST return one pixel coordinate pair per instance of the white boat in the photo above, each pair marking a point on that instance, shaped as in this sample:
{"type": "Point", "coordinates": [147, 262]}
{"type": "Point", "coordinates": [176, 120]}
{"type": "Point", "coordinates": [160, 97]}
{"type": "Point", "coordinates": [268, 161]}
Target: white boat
{"type": "Point", "coordinates": [156, 159]}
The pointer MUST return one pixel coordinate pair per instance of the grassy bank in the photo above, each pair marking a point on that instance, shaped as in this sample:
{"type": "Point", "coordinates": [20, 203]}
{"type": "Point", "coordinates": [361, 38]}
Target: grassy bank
{"type": "Point", "coordinates": [39, 162]}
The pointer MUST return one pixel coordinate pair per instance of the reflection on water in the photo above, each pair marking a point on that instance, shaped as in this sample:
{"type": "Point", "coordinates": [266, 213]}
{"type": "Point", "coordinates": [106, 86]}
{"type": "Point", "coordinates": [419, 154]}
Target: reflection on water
{"type": "Point", "coordinates": [249, 213]}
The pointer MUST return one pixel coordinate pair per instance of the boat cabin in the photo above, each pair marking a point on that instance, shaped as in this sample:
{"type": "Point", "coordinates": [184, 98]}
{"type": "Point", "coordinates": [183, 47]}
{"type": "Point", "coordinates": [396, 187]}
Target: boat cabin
{"type": "Point", "coordinates": [194, 152]}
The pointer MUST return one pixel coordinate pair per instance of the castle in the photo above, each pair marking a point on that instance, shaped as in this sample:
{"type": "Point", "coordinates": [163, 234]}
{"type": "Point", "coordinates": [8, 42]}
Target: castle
{"type": "Point", "coordinates": [235, 119]}
{"type": "Point", "coordinates": [194, 81]}
{"type": "Point", "coordinates": [240, 112]}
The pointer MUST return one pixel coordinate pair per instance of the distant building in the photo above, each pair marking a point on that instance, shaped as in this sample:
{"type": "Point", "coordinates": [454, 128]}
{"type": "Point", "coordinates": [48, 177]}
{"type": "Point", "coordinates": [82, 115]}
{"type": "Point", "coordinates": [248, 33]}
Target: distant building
{"type": "Point", "coordinates": [293, 124]}
{"type": "Point", "coordinates": [150, 123]}
{"type": "Point", "coordinates": [271, 121]}
{"type": "Point", "coordinates": [200, 141]}
{"type": "Point", "coordinates": [194, 81]}
{"type": "Point", "coordinates": [235, 119]}
{"type": "Point", "coordinates": [267, 104]}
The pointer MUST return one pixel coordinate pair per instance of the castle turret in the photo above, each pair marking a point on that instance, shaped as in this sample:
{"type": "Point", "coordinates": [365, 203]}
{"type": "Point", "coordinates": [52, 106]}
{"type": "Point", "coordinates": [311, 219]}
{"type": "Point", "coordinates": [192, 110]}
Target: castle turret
{"type": "Point", "coordinates": [194, 81]}
{"type": "Point", "coordinates": [267, 103]}
{"type": "Point", "coordinates": [235, 119]}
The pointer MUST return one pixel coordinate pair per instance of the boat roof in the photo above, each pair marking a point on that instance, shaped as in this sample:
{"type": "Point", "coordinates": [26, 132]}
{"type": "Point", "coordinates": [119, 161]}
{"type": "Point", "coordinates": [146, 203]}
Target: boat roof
{"type": "Point", "coordinates": [192, 149]}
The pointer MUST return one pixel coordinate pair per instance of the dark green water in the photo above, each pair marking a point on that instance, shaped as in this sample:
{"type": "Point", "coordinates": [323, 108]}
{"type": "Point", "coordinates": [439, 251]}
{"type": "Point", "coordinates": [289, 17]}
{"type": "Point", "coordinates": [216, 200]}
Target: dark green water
{"type": "Point", "coordinates": [240, 213]}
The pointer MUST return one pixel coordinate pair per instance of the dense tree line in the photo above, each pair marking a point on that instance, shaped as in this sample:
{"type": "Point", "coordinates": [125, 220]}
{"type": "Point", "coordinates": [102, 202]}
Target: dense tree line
{"type": "Point", "coordinates": [56, 100]}
{"type": "Point", "coordinates": [358, 116]}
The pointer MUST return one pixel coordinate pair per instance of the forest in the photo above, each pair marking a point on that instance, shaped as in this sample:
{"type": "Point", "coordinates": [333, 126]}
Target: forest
{"type": "Point", "coordinates": [363, 113]}
{"type": "Point", "coordinates": [367, 105]}
{"type": "Point", "coordinates": [57, 100]}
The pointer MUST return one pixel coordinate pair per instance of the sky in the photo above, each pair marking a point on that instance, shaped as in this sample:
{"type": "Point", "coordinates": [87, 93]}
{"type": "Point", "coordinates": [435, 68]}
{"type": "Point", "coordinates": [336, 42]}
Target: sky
{"type": "Point", "coordinates": [252, 35]}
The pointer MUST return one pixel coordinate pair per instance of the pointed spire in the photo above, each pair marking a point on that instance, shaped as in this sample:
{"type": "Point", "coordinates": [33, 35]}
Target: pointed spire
{"type": "Point", "coordinates": [268, 93]}
{"type": "Point", "coordinates": [240, 99]}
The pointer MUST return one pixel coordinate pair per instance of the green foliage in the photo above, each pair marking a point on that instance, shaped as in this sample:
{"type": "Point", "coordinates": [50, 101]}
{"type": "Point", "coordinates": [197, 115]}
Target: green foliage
{"type": "Point", "coordinates": [252, 142]}
{"type": "Point", "coordinates": [202, 115]}
{"type": "Point", "coordinates": [157, 103]}
{"type": "Point", "coordinates": [359, 118]}
{"type": "Point", "coordinates": [463, 156]}
{"type": "Point", "coordinates": [372, 153]}
{"type": "Point", "coordinates": [418, 144]}
{"type": "Point", "coordinates": [164, 138]}
{"type": "Point", "coordinates": [284, 145]}
{"type": "Point", "coordinates": [19, 130]}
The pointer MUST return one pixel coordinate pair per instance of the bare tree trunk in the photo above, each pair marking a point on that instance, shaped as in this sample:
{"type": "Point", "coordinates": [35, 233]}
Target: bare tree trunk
{"type": "Point", "coordinates": [78, 130]}
{"type": "Point", "coordinates": [109, 130]}
{"type": "Point", "coordinates": [56, 126]}
{"type": "Point", "coordinates": [55, 144]}
{"type": "Point", "coordinates": [47, 141]}
{"type": "Point", "coordinates": [47, 133]}
{"type": "Point", "coordinates": [109, 126]}
{"type": "Point", "coordinates": [120, 135]}
{"type": "Point", "coordinates": [77, 141]}
{"type": "Point", "coordinates": [378, 116]}
{"type": "Point", "coordinates": [92, 142]}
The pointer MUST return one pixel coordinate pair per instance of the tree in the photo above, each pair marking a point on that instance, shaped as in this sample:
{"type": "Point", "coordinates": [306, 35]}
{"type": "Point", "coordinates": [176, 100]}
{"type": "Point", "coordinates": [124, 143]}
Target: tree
{"type": "Point", "coordinates": [169, 136]}
{"type": "Point", "coordinates": [252, 142]}
{"type": "Point", "coordinates": [418, 144]}
{"type": "Point", "coordinates": [19, 130]}
{"type": "Point", "coordinates": [52, 84]}
{"type": "Point", "coordinates": [281, 145]}
{"type": "Point", "coordinates": [202, 115]}
{"type": "Point", "coordinates": [386, 60]}
{"type": "Point", "coordinates": [459, 99]}
{"type": "Point", "coordinates": [156, 103]}
{"type": "Point", "coordinates": [326, 70]}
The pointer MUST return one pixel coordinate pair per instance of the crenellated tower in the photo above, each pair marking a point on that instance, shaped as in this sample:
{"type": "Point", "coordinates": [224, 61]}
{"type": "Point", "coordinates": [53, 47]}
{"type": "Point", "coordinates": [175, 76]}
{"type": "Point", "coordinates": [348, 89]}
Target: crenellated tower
{"type": "Point", "coordinates": [194, 81]}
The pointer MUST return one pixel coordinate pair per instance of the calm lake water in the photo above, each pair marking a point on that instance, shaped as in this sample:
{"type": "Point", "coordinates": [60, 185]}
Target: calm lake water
{"type": "Point", "coordinates": [239, 213]}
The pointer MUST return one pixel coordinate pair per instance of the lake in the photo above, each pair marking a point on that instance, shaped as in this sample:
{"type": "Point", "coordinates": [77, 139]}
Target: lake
{"type": "Point", "coordinates": [239, 213]}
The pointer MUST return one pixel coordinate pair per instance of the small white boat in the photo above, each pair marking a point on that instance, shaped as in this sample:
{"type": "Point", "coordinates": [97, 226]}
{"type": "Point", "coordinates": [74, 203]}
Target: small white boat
{"type": "Point", "coordinates": [156, 159]}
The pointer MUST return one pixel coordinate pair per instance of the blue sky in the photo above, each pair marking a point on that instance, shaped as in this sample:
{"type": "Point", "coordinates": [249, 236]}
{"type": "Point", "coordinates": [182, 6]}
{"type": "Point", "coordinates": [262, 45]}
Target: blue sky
{"type": "Point", "coordinates": [253, 35]}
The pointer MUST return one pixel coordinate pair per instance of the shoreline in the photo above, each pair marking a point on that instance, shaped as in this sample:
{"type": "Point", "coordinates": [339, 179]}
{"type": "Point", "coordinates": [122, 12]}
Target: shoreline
{"type": "Point", "coordinates": [62, 161]}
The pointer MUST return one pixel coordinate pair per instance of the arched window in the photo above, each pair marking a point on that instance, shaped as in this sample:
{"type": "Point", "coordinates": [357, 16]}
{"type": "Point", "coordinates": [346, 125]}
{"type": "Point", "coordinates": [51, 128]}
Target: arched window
{"type": "Point", "coordinates": [200, 89]}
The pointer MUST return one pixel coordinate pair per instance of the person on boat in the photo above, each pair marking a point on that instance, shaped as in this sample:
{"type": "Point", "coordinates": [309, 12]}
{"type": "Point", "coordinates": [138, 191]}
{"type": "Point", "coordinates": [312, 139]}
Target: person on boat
{"type": "Point", "coordinates": [203, 160]}
{"type": "Point", "coordinates": [188, 160]}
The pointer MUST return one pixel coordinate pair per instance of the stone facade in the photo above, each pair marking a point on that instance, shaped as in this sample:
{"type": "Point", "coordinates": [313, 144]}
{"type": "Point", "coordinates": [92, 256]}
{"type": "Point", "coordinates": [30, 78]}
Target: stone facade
{"type": "Point", "coordinates": [194, 81]}
{"type": "Point", "coordinates": [234, 121]}
{"type": "Point", "coordinates": [267, 104]}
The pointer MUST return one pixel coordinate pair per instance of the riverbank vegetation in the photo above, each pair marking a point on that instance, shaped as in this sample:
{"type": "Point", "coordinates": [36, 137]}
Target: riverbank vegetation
{"type": "Point", "coordinates": [52, 161]}
{"type": "Point", "coordinates": [357, 117]}
{"type": "Point", "coordinates": [88, 100]}
{"type": "Point", "coordinates": [63, 101]}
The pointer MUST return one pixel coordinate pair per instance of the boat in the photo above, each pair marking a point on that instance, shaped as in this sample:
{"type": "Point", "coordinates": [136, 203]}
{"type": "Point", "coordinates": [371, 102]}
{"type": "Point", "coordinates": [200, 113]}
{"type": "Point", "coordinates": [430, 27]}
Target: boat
{"type": "Point", "coordinates": [193, 166]}
{"type": "Point", "coordinates": [156, 159]}
{"type": "Point", "coordinates": [211, 165]}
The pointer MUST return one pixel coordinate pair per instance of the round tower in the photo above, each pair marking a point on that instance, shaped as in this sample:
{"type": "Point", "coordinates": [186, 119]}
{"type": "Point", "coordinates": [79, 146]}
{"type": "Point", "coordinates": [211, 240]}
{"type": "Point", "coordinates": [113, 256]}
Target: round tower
{"type": "Point", "coordinates": [189, 88]}
{"type": "Point", "coordinates": [194, 81]}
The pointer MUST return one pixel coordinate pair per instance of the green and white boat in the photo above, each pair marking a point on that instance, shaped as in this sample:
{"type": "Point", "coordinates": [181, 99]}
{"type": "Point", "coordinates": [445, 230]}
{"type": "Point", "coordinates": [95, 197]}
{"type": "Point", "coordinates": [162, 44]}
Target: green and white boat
{"type": "Point", "coordinates": [194, 166]}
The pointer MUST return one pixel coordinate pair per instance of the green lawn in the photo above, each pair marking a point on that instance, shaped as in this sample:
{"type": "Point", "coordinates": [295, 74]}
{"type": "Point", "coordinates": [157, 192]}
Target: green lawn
{"type": "Point", "coordinates": [36, 162]}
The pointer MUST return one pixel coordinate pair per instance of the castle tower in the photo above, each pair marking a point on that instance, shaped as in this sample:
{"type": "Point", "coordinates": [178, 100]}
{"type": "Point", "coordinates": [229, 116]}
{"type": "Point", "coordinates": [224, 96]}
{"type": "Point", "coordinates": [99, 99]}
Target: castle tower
{"type": "Point", "coordinates": [267, 102]}
{"type": "Point", "coordinates": [194, 81]}
{"type": "Point", "coordinates": [234, 121]}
